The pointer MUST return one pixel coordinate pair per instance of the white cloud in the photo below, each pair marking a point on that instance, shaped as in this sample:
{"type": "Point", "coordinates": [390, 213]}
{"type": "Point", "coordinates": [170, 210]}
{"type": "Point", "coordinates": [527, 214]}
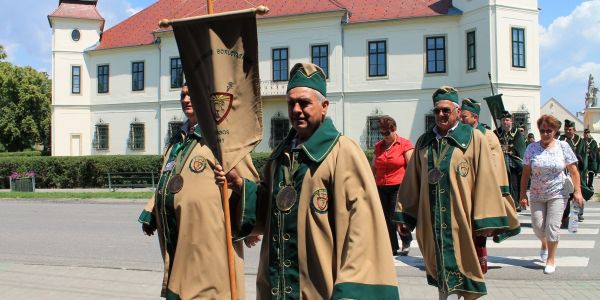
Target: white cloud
{"type": "Point", "coordinates": [582, 22]}
{"type": "Point", "coordinates": [575, 74]}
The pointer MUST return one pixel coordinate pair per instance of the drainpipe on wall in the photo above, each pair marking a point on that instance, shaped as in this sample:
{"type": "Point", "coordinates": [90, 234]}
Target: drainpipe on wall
{"type": "Point", "coordinates": [157, 41]}
{"type": "Point", "coordinates": [342, 102]}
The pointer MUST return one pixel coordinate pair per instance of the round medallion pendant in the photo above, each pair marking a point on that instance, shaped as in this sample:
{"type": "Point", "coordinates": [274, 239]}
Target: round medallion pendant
{"type": "Point", "coordinates": [175, 184]}
{"type": "Point", "coordinates": [434, 175]}
{"type": "Point", "coordinates": [286, 198]}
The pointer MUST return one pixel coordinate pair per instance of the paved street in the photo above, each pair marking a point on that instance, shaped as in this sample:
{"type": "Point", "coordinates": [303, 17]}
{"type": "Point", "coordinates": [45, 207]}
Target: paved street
{"type": "Point", "coordinates": [95, 250]}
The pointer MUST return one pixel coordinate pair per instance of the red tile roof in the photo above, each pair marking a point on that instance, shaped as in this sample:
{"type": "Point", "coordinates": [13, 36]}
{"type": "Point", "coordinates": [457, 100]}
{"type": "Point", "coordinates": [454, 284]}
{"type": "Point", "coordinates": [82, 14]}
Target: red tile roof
{"type": "Point", "coordinates": [78, 11]}
{"type": "Point", "coordinates": [138, 29]}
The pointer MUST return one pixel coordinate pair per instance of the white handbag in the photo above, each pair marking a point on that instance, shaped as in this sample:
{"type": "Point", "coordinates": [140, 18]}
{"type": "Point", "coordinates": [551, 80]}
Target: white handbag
{"type": "Point", "coordinates": [568, 182]}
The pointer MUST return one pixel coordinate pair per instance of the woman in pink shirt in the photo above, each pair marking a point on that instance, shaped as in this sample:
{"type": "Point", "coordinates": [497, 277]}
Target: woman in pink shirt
{"type": "Point", "coordinates": [390, 157]}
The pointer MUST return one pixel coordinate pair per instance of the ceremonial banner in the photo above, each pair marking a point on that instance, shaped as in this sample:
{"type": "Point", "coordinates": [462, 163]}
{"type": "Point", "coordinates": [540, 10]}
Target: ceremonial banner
{"type": "Point", "coordinates": [219, 54]}
{"type": "Point", "coordinates": [495, 105]}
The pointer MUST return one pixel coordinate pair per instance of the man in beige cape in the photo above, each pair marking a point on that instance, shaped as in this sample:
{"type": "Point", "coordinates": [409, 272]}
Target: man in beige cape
{"type": "Point", "coordinates": [188, 213]}
{"type": "Point", "coordinates": [447, 195]}
{"type": "Point", "coordinates": [470, 110]}
{"type": "Point", "coordinates": [325, 236]}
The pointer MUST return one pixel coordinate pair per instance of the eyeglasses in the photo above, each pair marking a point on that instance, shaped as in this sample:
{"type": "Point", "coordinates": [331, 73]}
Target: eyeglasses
{"type": "Point", "coordinates": [385, 133]}
{"type": "Point", "coordinates": [444, 110]}
{"type": "Point", "coordinates": [546, 131]}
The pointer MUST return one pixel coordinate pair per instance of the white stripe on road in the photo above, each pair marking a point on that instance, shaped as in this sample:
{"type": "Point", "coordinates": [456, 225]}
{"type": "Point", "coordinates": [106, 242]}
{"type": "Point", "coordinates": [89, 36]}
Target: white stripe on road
{"type": "Point", "coordinates": [591, 209]}
{"type": "Point", "coordinates": [586, 214]}
{"type": "Point", "coordinates": [535, 244]}
{"type": "Point", "coordinates": [527, 220]}
{"type": "Point", "coordinates": [580, 231]}
{"type": "Point", "coordinates": [497, 261]}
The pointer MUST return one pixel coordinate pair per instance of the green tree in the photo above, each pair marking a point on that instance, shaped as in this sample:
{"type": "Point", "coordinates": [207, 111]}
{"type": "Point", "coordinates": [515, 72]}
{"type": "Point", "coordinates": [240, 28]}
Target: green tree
{"type": "Point", "coordinates": [24, 107]}
{"type": "Point", "coordinates": [2, 53]}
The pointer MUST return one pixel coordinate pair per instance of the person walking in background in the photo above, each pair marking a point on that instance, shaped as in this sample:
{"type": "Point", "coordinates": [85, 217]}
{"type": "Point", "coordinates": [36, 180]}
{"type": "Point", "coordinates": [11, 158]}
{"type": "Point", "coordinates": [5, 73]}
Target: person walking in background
{"type": "Point", "coordinates": [530, 139]}
{"type": "Point", "coordinates": [187, 211]}
{"type": "Point", "coordinates": [579, 147]}
{"type": "Point", "coordinates": [592, 151]}
{"type": "Point", "coordinates": [390, 158]}
{"type": "Point", "coordinates": [447, 195]}
{"type": "Point", "coordinates": [470, 110]}
{"type": "Point", "coordinates": [545, 162]}
{"type": "Point", "coordinates": [513, 147]}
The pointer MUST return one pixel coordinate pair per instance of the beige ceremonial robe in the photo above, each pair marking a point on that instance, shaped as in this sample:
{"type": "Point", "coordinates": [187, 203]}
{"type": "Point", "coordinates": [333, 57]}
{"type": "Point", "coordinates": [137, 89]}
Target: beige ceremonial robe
{"type": "Point", "coordinates": [514, 226]}
{"type": "Point", "coordinates": [447, 214]}
{"type": "Point", "coordinates": [191, 224]}
{"type": "Point", "coordinates": [333, 242]}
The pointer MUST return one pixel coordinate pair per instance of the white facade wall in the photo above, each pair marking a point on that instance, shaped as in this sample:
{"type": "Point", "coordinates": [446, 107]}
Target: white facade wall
{"type": "Point", "coordinates": [405, 93]}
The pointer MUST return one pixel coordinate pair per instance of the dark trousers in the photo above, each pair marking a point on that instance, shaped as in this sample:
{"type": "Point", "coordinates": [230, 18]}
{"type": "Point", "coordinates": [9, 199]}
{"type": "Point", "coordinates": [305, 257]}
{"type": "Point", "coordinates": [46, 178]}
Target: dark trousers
{"type": "Point", "coordinates": [388, 196]}
{"type": "Point", "coordinates": [514, 182]}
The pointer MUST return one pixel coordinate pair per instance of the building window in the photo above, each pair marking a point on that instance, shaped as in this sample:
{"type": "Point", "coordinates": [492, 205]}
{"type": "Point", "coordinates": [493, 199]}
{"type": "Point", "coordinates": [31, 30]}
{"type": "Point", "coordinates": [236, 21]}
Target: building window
{"type": "Point", "coordinates": [518, 47]}
{"type": "Point", "coordinates": [102, 79]}
{"type": "Point", "coordinates": [174, 128]}
{"type": "Point", "coordinates": [429, 121]}
{"type": "Point", "coordinates": [76, 79]}
{"type": "Point", "coordinates": [377, 59]}
{"type": "Point", "coordinates": [280, 64]}
{"type": "Point", "coordinates": [137, 133]}
{"type": "Point", "coordinates": [75, 35]}
{"type": "Point", "coordinates": [176, 73]}
{"type": "Point", "coordinates": [373, 134]}
{"type": "Point", "coordinates": [137, 76]}
{"type": "Point", "coordinates": [436, 54]}
{"type": "Point", "coordinates": [320, 57]}
{"type": "Point", "coordinates": [101, 137]}
{"type": "Point", "coordinates": [471, 62]}
{"type": "Point", "coordinates": [521, 119]}
{"type": "Point", "coordinates": [280, 126]}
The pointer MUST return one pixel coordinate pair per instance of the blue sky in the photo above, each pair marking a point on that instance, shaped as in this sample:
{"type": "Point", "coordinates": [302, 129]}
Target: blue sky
{"type": "Point", "coordinates": [569, 40]}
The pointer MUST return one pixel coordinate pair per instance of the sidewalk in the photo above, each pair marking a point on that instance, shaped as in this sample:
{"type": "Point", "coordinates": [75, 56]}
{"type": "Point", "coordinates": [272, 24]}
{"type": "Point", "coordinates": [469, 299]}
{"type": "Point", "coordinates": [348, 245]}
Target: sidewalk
{"type": "Point", "coordinates": [66, 282]}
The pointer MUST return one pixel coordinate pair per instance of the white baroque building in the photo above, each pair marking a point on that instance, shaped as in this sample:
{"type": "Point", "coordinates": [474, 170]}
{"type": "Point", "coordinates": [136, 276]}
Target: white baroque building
{"type": "Point", "coordinates": [117, 91]}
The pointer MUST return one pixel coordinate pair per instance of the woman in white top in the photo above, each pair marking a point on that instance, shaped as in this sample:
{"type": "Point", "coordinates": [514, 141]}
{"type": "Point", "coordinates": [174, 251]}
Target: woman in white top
{"type": "Point", "coordinates": [545, 161]}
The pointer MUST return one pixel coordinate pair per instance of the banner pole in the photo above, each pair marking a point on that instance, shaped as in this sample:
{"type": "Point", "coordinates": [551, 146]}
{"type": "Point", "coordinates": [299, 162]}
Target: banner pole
{"type": "Point", "coordinates": [227, 216]}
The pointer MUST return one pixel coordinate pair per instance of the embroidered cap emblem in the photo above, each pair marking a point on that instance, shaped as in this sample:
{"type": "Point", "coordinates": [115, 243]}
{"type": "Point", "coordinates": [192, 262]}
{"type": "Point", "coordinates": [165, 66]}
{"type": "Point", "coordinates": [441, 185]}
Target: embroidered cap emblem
{"type": "Point", "coordinates": [320, 201]}
{"type": "Point", "coordinates": [463, 169]}
{"type": "Point", "coordinates": [198, 164]}
{"type": "Point", "coordinates": [221, 105]}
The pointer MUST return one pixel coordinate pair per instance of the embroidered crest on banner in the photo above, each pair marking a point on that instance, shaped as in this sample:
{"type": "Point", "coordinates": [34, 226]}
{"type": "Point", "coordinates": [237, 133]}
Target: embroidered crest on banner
{"type": "Point", "coordinates": [320, 201]}
{"type": "Point", "coordinates": [463, 168]}
{"type": "Point", "coordinates": [221, 105]}
{"type": "Point", "coordinates": [198, 164]}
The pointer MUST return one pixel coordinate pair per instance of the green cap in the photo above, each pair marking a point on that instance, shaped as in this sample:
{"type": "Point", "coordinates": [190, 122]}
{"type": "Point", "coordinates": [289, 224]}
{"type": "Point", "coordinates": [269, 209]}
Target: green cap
{"type": "Point", "coordinates": [308, 75]}
{"type": "Point", "coordinates": [471, 105]}
{"type": "Point", "coordinates": [445, 93]}
{"type": "Point", "coordinates": [569, 124]}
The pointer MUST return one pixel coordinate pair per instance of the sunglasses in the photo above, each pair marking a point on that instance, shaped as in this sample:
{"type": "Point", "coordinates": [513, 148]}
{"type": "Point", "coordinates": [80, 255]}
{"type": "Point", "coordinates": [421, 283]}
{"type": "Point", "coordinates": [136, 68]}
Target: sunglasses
{"type": "Point", "coordinates": [546, 131]}
{"type": "Point", "coordinates": [385, 133]}
{"type": "Point", "coordinates": [444, 110]}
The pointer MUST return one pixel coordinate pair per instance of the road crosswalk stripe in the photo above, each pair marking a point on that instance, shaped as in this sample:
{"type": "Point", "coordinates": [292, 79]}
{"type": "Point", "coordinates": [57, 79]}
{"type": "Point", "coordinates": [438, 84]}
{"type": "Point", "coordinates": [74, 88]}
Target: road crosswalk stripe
{"type": "Point", "coordinates": [498, 261]}
{"type": "Point", "coordinates": [535, 244]}
{"type": "Point", "coordinates": [587, 221]}
{"type": "Point", "coordinates": [591, 209]}
{"type": "Point", "coordinates": [580, 231]}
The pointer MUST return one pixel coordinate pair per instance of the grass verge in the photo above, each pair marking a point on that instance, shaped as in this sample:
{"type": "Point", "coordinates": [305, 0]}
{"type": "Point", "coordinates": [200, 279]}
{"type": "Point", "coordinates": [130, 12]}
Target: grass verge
{"type": "Point", "coordinates": [75, 195]}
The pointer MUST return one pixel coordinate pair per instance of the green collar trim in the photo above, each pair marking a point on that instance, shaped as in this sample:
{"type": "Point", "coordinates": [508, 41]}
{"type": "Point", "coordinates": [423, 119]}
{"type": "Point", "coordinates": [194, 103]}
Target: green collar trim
{"type": "Point", "coordinates": [481, 128]}
{"type": "Point", "coordinates": [317, 146]}
{"type": "Point", "coordinates": [460, 137]}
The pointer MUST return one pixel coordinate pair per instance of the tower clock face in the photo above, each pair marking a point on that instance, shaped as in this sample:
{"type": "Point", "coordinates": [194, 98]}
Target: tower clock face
{"type": "Point", "coordinates": [75, 35]}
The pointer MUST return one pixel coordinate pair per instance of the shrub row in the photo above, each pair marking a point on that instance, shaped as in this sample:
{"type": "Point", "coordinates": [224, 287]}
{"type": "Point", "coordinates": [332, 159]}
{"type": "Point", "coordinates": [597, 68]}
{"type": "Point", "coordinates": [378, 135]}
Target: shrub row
{"type": "Point", "coordinates": [88, 171]}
